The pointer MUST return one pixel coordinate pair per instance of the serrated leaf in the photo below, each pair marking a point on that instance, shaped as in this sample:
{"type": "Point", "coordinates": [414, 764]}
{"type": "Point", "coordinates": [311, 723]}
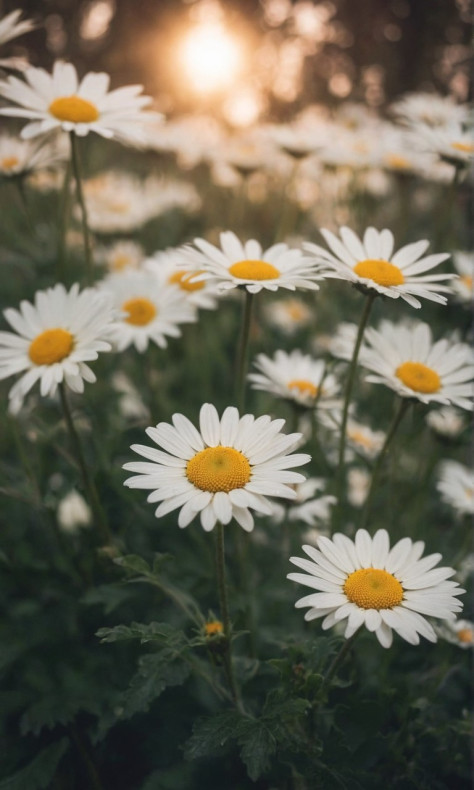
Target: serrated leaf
{"type": "Point", "coordinates": [40, 772]}
{"type": "Point", "coordinates": [144, 632]}
{"type": "Point", "coordinates": [210, 735]}
{"type": "Point", "coordinates": [258, 746]}
{"type": "Point", "coordinates": [156, 672]}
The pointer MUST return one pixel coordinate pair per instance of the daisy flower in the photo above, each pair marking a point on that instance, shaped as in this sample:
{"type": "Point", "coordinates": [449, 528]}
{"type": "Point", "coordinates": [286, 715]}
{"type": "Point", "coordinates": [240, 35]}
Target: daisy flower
{"type": "Point", "coordinates": [60, 101]}
{"type": "Point", "coordinates": [296, 377]}
{"type": "Point", "coordinates": [11, 27]}
{"type": "Point", "coordinates": [149, 311]}
{"type": "Point", "coordinates": [456, 486]}
{"type": "Point", "coordinates": [446, 422]}
{"type": "Point", "coordinates": [358, 485]}
{"type": "Point", "coordinates": [245, 264]}
{"type": "Point", "coordinates": [459, 632]}
{"type": "Point", "coordinates": [364, 582]}
{"type": "Point", "coordinates": [288, 315]}
{"type": "Point", "coordinates": [166, 266]}
{"type": "Point", "coordinates": [122, 255]}
{"type": "Point", "coordinates": [224, 470]}
{"type": "Point", "coordinates": [54, 339]}
{"type": "Point", "coordinates": [363, 439]}
{"type": "Point", "coordinates": [22, 157]}
{"type": "Point", "coordinates": [453, 142]}
{"type": "Point", "coordinates": [406, 359]}
{"type": "Point", "coordinates": [429, 109]}
{"type": "Point", "coordinates": [371, 263]}
{"type": "Point", "coordinates": [307, 508]}
{"type": "Point", "coordinates": [73, 513]}
{"type": "Point", "coordinates": [463, 286]}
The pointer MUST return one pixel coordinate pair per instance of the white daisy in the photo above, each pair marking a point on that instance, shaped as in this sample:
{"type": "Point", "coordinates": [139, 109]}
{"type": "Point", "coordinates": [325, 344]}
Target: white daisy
{"type": "Point", "coordinates": [342, 341]}
{"type": "Point", "coordinates": [295, 377]}
{"type": "Point", "coordinates": [21, 157]}
{"type": "Point", "coordinates": [288, 315]}
{"type": "Point", "coordinates": [223, 471]}
{"type": "Point", "coordinates": [149, 311]}
{"type": "Point", "coordinates": [60, 100]}
{"type": "Point", "coordinates": [365, 582]}
{"type": "Point", "coordinates": [308, 508]}
{"type": "Point", "coordinates": [123, 254]}
{"type": "Point", "coordinates": [463, 286]}
{"type": "Point", "coordinates": [11, 26]}
{"type": "Point", "coordinates": [120, 203]}
{"type": "Point", "coordinates": [73, 512]}
{"type": "Point", "coordinates": [55, 338]}
{"type": "Point", "coordinates": [371, 263]}
{"type": "Point", "coordinates": [429, 109]}
{"type": "Point", "coordinates": [456, 486]}
{"type": "Point", "coordinates": [245, 264]}
{"type": "Point", "coordinates": [358, 485]}
{"type": "Point", "coordinates": [363, 439]}
{"type": "Point", "coordinates": [167, 267]}
{"type": "Point", "coordinates": [406, 359]}
{"type": "Point", "coordinates": [453, 143]}
{"type": "Point", "coordinates": [459, 632]}
{"type": "Point", "coordinates": [446, 421]}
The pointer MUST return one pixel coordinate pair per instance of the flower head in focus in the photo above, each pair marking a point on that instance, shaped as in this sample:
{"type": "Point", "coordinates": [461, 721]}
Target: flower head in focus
{"type": "Point", "coordinates": [365, 582]}
{"type": "Point", "coordinates": [223, 471]}
{"type": "Point", "coordinates": [372, 264]}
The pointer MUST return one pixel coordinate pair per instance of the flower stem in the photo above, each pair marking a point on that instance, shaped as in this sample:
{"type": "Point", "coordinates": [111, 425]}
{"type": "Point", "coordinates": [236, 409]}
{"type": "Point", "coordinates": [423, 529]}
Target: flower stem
{"type": "Point", "coordinates": [89, 486]}
{"type": "Point", "coordinates": [76, 167]}
{"type": "Point", "coordinates": [403, 407]}
{"type": "Point", "coordinates": [349, 386]}
{"type": "Point", "coordinates": [243, 349]}
{"type": "Point", "coordinates": [224, 608]}
{"type": "Point", "coordinates": [338, 659]}
{"type": "Point", "coordinates": [63, 222]}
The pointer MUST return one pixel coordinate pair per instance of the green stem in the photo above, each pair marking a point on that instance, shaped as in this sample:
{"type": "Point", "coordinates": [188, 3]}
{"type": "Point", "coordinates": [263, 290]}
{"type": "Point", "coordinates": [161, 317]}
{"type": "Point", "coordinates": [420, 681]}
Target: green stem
{"type": "Point", "coordinates": [89, 486]}
{"type": "Point", "coordinates": [76, 166]}
{"type": "Point", "coordinates": [63, 222]}
{"type": "Point", "coordinates": [403, 407]}
{"type": "Point", "coordinates": [243, 349]}
{"type": "Point", "coordinates": [338, 659]}
{"type": "Point", "coordinates": [224, 608]}
{"type": "Point", "coordinates": [349, 386]}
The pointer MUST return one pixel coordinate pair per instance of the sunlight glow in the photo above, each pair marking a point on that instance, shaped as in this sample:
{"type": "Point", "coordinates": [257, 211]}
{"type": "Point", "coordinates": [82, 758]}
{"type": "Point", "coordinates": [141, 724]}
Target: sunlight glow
{"type": "Point", "coordinates": [211, 57]}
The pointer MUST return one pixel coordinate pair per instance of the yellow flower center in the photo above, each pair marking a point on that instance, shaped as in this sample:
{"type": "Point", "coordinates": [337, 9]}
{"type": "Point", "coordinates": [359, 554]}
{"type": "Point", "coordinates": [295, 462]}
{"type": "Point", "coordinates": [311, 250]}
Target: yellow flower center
{"type": "Point", "coordinates": [466, 636]}
{"type": "Point", "coordinates": [381, 272]}
{"type": "Point", "coordinates": [418, 377]}
{"type": "Point", "coordinates": [51, 346]}
{"type": "Point", "coordinates": [397, 162]}
{"type": "Point", "coordinates": [9, 162]}
{"type": "Point", "coordinates": [466, 279]}
{"type": "Point", "coordinates": [358, 437]}
{"type": "Point", "coordinates": [120, 261]}
{"type": "Point", "coordinates": [140, 311]}
{"type": "Point", "coordinates": [465, 148]}
{"type": "Point", "coordinates": [254, 270]}
{"type": "Point", "coordinates": [218, 469]}
{"type": "Point", "coordinates": [372, 588]}
{"type": "Point", "coordinates": [183, 280]}
{"type": "Point", "coordinates": [296, 311]}
{"type": "Point", "coordinates": [303, 387]}
{"type": "Point", "coordinates": [73, 109]}
{"type": "Point", "coordinates": [213, 627]}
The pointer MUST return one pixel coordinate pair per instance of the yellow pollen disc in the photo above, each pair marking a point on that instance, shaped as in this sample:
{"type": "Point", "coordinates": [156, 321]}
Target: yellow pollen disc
{"type": "Point", "coordinates": [9, 162]}
{"type": "Point", "coordinates": [303, 387]}
{"type": "Point", "coordinates": [183, 280]}
{"type": "Point", "coordinates": [466, 279]}
{"type": "Point", "coordinates": [254, 270]}
{"type": "Point", "coordinates": [466, 148]}
{"type": "Point", "coordinates": [213, 627]}
{"type": "Point", "coordinates": [120, 262]}
{"type": "Point", "coordinates": [371, 588]}
{"type": "Point", "coordinates": [73, 109]}
{"type": "Point", "coordinates": [397, 162]}
{"type": "Point", "coordinates": [296, 311]}
{"type": "Point", "coordinates": [51, 346]}
{"type": "Point", "coordinates": [381, 272]}
{"type": "Point", "coordinates": [218, 469]}
{"type": "Point", "coordinates": [418, 377]}
{"type": "Point", "coordinates": [466, 636]}
{"type": "Point", "coordinates": [140, 311]}
{"type": "Point", "coordinates": [360, 438]}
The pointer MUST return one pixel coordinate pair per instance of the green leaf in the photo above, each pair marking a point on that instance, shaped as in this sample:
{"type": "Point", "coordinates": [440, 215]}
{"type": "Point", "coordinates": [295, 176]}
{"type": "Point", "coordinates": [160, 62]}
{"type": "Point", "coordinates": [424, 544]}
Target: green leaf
{"type": "Point", "coordinates": [133, 564]}
{"type": "Point", "coordinates": [210, 735]}
{"type": "Point", "coordinates": [143, 632]}
{"type": "Point", "coordinates": [109, 596]}
{"type": "Point", "coordinates": [40, 772]}
{"type": "Point", "coordinates": [156, 672]}
{"type": "Point", "coordinates": [258, 746]}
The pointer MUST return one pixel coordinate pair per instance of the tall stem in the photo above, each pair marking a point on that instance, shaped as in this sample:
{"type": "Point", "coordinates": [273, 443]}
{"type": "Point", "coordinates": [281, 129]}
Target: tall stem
{"type": "Point", "coordinates": [63, 222]}
{"type": "Point", "coordinates": [338, 659]}
{"type": "Point", "coordinates": [89, 486]}
{"type": "Point", "coordinates": [243, 349]}
{"type": "Point", "coordinates": [349, 386]}
{"type": "Point", "coordinates": [403, 406]}
{"type": "Point", "coordinates": [224, 608]}
{"type": "Point", "coordinates": [76, 166]}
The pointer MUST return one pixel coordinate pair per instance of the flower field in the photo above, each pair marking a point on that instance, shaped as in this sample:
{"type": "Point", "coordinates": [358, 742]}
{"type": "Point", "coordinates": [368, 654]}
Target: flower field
{"type": "Point", "coordinates": [237, 378]}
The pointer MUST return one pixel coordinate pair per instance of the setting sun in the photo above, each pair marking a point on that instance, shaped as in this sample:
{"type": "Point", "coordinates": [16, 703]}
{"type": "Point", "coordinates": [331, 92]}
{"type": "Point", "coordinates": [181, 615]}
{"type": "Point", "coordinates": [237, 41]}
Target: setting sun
{"type": "Point", "coordinates": [211, 57]}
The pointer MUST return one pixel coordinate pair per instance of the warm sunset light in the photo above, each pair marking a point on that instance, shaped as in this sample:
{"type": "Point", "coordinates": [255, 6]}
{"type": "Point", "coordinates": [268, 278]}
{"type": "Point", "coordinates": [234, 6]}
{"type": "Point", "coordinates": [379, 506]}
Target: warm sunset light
{"type": "Point", "coordinates": [211, 57]}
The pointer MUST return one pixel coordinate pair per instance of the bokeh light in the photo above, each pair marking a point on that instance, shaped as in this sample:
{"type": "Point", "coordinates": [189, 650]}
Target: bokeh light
{"type": "Point", "coordinates": [210, 56]}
